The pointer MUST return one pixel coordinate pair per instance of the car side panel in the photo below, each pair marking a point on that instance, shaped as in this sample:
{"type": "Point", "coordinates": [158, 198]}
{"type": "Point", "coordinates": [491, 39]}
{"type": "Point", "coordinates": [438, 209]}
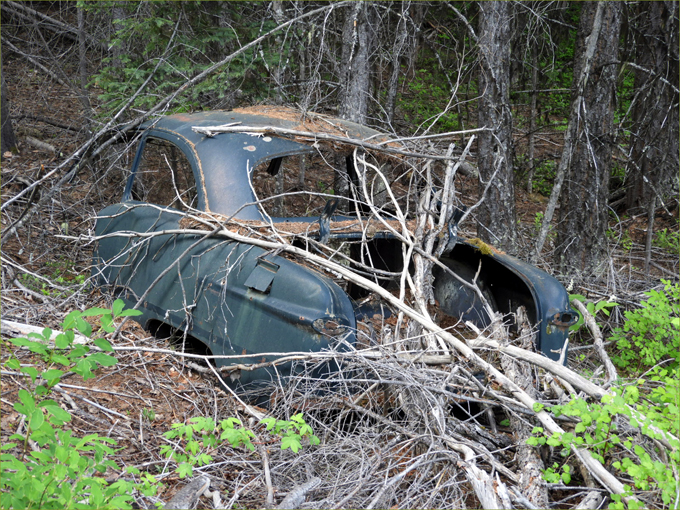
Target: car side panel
{"type": "Point", "coordinates": [231, 296]}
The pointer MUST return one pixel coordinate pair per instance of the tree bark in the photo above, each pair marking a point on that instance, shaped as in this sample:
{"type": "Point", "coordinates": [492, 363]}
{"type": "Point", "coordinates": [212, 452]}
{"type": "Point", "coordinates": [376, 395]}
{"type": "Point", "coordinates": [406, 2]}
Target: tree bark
{"type": "Point", "coordinates": [583, 215]}
{"type": "Point", "coordinates": [397, 50]}
{"type": "Point", "coordinates": [8, 141]}
{"type": "Point", "coordinates": [82, 67]}
{"type": "Point", "coordinates": [358, 43]}
{"type": "Point", "coordinates": [497, 218]}
{"type": "Point", "coordinates": [533, 115]}
{"type": "Point", "coordinates": [653, 167]}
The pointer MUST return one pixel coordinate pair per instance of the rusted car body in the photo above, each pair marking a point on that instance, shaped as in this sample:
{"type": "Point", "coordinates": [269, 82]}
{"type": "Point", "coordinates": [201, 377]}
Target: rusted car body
{"type": "Point", "coordinates": [240, 299]}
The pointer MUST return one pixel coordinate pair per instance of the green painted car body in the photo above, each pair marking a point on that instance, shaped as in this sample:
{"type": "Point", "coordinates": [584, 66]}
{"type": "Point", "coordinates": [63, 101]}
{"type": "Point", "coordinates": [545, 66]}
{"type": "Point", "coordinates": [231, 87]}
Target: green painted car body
{"type": "Point", "coordinates": [242, 300]}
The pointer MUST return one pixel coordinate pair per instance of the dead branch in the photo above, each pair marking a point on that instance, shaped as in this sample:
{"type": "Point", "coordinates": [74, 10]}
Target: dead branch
{"type": "Point", "coordinates": [211, 131]}
{"type": "Point", "coordinates": [188, 496]}
{"type": "Point", "coordinates": [40, 145]}
{"type": "Point", "coordinates": [37, 64]}
{"type": "Point", "coordinates": [297, 495]}
{"type": "Point", "coordinates": [20, 9]}
{"type": "Point", "coordinates": [597, 340]}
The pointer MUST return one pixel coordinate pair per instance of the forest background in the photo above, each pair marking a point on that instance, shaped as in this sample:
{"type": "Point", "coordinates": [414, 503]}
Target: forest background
{"type": "Point", "coordinates": [580, 158]}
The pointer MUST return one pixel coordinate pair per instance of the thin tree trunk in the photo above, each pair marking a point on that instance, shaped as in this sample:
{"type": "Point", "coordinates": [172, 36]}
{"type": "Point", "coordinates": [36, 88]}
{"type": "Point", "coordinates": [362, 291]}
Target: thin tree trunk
{"type": "Point", "coordinates": [653, 167]}
{"type": "Point", "coordinates": [82, 55]}
{"type": "Point", "coordinates": [533, 114]}
{"type": "Point", "coordinates": [580, 80]}
{"type": "Point", "coordinates": [358, 42]}
{"type": "Point", "coordinates": [397, 50]}
{"type": "Point", "coordinates": [8, 142]}
{"type": "Point", "coordinates": [584, 214]}
{"type": "Point", "coordinates": [497, 217]}
{"type": "Point", "coordinates": [279, 17]}
{"type": "Point", "coordinates": [650, 233]}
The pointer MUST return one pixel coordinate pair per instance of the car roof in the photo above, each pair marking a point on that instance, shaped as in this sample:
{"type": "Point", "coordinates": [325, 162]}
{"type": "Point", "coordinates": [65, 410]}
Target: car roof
{"type": "Point", "coordinates": [263, 116]}
{"type": "Point", "coordinates": [225, 160]}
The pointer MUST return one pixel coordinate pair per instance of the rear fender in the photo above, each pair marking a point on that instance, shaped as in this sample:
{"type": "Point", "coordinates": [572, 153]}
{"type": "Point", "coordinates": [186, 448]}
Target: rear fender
{"type": "Point", "coordinates": [507, 283]}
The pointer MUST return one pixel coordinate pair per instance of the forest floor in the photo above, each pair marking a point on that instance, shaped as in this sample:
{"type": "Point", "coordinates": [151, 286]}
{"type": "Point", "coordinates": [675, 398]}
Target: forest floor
{"type": "Point", "coordinates": [45, 272]}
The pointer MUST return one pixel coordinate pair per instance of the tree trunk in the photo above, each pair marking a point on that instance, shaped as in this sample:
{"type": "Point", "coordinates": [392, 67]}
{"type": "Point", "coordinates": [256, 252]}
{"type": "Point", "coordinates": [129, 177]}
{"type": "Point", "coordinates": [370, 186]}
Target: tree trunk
{"type": "Point", "coordinates": [533, 115]}
{"type": "Point", "coordinates": [82, 68]}
{"type": "Point", "coordinates": [279, 17]}
{"type": "Point", "coordinates": [358, 43]}
{"type": "Point", "coordinates": [497, 218]}
{"type": "Point", "coordinates": [8, 140]}
{"type": "Point", "coordinates": [653, 166]}
{"type": "Point", "coordinates": [397, 50]}
{"type": "Point", "coordinates": [583, 216]}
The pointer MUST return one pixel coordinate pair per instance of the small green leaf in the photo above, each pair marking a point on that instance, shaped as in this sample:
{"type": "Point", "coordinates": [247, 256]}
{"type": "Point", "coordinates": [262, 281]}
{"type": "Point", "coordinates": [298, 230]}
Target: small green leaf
{"type": "Point", "coordinates": [83, 326]}
{"type": "Point", "coordinates": [60, 416]}
{"type": "Point", "coordinates": [31, 371]}
{"type": "Point", "coordinates": [184, 470]}
{"type": "Point", "coordinates": [292, 441]}
{"type": "Point", "coordinates": [107, 323]}
{"type": "Point", "coordinates": [103, 359]}
{"type": "Point", "coordinates": [13, 363]}
{"type": "Point", "coordinates": [37, 419]}
{"type": "Point", "coordinates": [62, 341]}
{"type": "Point", "coordinates": [90, 312]}
{"type": "Point", "coordinates": [52, 374]}
{"type": "Point", "coordinates": [103, 344]}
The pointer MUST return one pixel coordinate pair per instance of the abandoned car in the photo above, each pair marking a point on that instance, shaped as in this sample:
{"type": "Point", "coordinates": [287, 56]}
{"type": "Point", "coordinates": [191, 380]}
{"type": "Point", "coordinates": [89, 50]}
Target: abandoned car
{"type": "Point", "coordinates": [270, 173]}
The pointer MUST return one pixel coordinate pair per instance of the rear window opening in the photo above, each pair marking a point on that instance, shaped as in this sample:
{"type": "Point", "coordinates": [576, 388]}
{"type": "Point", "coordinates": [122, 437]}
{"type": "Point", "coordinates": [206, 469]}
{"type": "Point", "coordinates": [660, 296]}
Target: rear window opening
{"type": "Point", "coordinates": [300, 185]}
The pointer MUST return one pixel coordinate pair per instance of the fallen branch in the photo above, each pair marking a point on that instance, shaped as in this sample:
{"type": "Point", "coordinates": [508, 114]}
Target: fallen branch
{"type": "Point", "coordinates": [610, 482]}
{"type": "Point", "coordinates": [54, 25]}
{"type": "Point", "coordinates": [188, 496]}
{"type": "Point", "coordinates": [597, 338]}
{"type": "Point", "coordinates": [296, 497]}
{"type": "Point", "coordinates": [211, 131]}
{"type": "Point", "coordinates": [37, 64]}
{"type": "Point", "coordinates": [40, 145]}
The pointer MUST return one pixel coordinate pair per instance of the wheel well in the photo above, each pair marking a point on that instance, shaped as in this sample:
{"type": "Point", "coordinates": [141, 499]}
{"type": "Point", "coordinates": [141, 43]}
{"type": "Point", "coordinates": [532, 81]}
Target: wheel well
{"type": "Point", "coordinates": [177, 338]}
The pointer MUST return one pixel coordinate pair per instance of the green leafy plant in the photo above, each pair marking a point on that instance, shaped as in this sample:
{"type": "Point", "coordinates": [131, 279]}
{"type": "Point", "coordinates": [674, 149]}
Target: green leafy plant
{"type": "Point", "coordinates": [292, 432]}
{"type": "Point", "coordinates": [593, 307]}
{"type": "Point", "coordinates": [149, 414]}
{"type": "Point", "coordinates": [624, 239]}
{"type": "Point", "coordinates": [652, 332]}
{"type": "Point", "coordinates": [201, 435]}
{"type": "Point", "coordinates": [649, 336]}
{"type": "Point", "coordinates": [668, 240]}
{"type": "Point", "coordinates": [49, 467]}
{"type": "Point", "coordinates": [544, 176]}
{"type": "Point", "coordinates": [598, 431]}
{"type": "Point", "coordinates": [61, 282]}
{"type": "Point", "coordinates": [538, 221]}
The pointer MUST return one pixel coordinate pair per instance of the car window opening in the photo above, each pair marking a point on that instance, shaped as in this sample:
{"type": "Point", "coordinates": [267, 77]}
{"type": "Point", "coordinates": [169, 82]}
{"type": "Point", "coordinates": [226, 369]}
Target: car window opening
{"type": "Point", "coordinates": [164, 176]}
{"type": "Point", "coordinates": [299, 186]}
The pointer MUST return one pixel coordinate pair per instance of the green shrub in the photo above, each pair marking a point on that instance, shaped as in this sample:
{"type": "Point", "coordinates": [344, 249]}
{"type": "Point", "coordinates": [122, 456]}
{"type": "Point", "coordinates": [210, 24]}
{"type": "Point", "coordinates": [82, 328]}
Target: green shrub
{"type": "Point", "coordinates": [201, 435]}
{"type": "Point", "coordinates": [62, 471]}
{"type": "Point", "coordinates": [668, 240]}
{"type": "Point", "coordinates": [651, 334]}
{"type": "Point", "coordinates": [655, 414]}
